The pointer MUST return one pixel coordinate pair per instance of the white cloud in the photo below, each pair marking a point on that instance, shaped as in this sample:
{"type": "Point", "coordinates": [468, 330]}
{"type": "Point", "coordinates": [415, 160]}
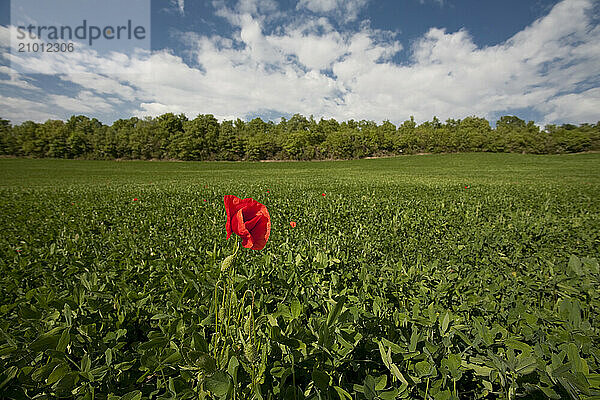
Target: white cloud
{"type": "Point", "coordinates": [580, 107]}
{"type": "Point", "coordinates": [102, 84]}
{"type": "Point", "coordinates": [256, 6]}
{"type": "Point", "coordinates": [86, 102]}
{"type": "Point", "coordinates": [4, 38]}
{"type": "Point", "coordinates": [261, 9]}
{"type": "Point", "coordinates": [180, 5]}
{"type": "Point", "coordinates": [14, 79]}
{"type": "Point", "coordinates": [311, 68]}
{"type": "Point", "coordinates": [347, 10]}
{"type": "Point", "coordinates": [18, 110]}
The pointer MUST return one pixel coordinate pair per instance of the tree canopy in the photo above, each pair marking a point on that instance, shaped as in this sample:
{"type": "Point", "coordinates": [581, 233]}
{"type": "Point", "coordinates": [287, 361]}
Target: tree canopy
{"type": "Point", "coordinates": [176, 137]}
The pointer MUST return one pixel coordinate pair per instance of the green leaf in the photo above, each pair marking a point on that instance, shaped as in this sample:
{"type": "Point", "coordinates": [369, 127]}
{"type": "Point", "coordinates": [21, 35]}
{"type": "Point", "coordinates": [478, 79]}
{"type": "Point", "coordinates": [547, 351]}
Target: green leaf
{"type": "Point", "coordinates": [369, 387]}
{"type": "Point", "coordinates": [232, 368]}
{"type": "Point", "coordinates": [9, 374]}
{"type": "Point", "coordinates": [453, 364]}
{"type": "Point", "coordinates": [108, 355]}
{"type": "Point", "coordinates": [342, 393]}
{"type": "Point", "coordinates": [445, 322]}
{"type": "Point", "coordinates": [424, 369]}
{"type": "Point", "coordinates": [172, 358]}
{"type": "Point", "coordinates": [218, 383]}
{"type": "Point", "coordinates": [480, 370]}
{"type": "Point", "coordinates": [40, 373]}
{"type": "Point", "coordinates": [578, 363]}
{"type": "Point", "coordinates": [443, 395]}
{"type": "Point", "coordinates": [64, 341]}
{"type": "Point", "coordinates": [385, 357]}
{"type": "Point", "coordinates": [575, 265]}
{"type": "Point", "coordinates": [393, 346]}
{"type": "Point", "coordinates": [389, 395]}
{"type": "Point", "coordinates": [594, 380]}
{"type": "Point", "coordinates": [336, 311]}
{"type": "Point", "coordinates": [454, 361]}
{"type": "Point", "coordinates": [381, 383]}
{"type": "Point", "coordinates": [574, 383]}
{"type": "Point", "coordinates": [525, 365]}
{"type": "Point", "coordinates": [414, 339]}
{"type": "Point", "coordinates": [296, 308]}
{"type": "Point", "coordinates": [200, 343]}
{"type": "Point", "coordinates": [549, 392]}
{"type": "Point", "coordinates": [67, 384]}
{"type": "Point", "coordinates": [57, 373]}
{"type": "Point", "coordinates": [45, 342]}
{"type": "Point", "coordinates": [154, 343]}
{"type": "Point", "coordinates": [397, 374]}
{"type": "Point", "coordinates": [517, 345]}
{"type": "Point", "coordinates": [206, 363]}
{"type": "Point", "coordinates": [321, 379]}
{"type": "Point", "coordinates": [133, 395]}
{"type": "Point", "coordinates": [85, 363]}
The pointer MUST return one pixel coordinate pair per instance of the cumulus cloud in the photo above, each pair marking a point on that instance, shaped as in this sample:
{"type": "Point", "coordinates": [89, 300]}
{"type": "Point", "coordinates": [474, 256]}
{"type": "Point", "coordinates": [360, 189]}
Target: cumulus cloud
{"type": "Point", "coordinates": [312, 68]}
{"type": "Point", "coordinates": [581, 107]}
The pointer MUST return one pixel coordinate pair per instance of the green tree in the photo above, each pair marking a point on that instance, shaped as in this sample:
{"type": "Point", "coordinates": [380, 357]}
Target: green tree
{"type": "Point", "coordinates": [27, 139]}
{"type": "Point", "coordinates": [472, 134]}
{"type": "Point", "coordinates": [199, 138]}
{"type": "Point", "coordinates": [7, 139]}
{"type": "Point", "coordinates": [231, 145]}
{"type": "Point", "coordinates": [123, 131]}
{"type": "Point", "coordinates": [389, 134]}
{"type": "Point", "coordinates": [57, 139]}
{"type": "Point", "coordinates": [170, 126]}
{"type": "Point", "coordinates": [81, 130]}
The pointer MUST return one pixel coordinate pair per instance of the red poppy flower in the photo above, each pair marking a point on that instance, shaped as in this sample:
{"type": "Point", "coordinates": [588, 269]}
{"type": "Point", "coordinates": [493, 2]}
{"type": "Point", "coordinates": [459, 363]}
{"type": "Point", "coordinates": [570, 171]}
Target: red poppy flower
{"type": "Point", "coordinates": [135, 199]}
{"type": "Point", "coordinates": [268, 191]}
{"type": "Point", "coordinates": [204, 200]}
{"type": "Point", "coordinates": [323, 194]}
{"type": "Point", "coordinates": [293, 224]}
{"type": "Point", "coordinates": [248, 219]}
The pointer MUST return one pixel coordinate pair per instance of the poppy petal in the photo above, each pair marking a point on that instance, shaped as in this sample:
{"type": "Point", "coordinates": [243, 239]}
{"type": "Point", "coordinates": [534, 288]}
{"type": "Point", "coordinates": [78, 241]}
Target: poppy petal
{"type": "Point", "coordinates": [260, 234]}
{"type": "Point", "coordinates": [248, 219]}
{"type": "Point", "coordinates": [231, 207]}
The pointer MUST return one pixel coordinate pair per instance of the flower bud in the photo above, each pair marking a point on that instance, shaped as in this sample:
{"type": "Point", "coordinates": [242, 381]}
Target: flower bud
{"type": "Point", "coordinates": [248, 326]}
{"type": "Point", "coordinates": [250, 352]}
{"type": "Point", "coordinates": [227, 263]}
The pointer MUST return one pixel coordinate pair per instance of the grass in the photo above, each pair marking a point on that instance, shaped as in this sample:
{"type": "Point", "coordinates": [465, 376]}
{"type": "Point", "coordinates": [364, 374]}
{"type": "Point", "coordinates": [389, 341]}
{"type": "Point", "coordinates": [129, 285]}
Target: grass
{"type": "Point", "coordinates": [484, 260]}
{"type": "Point", "coordinates": [445, 169]}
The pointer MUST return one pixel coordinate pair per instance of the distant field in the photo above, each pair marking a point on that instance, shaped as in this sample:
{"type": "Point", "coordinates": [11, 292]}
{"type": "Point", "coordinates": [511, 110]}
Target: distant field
{"type": "Point", "coordinates": [447, 169]}
{"type": "Point", "coordinates": [476, 269]}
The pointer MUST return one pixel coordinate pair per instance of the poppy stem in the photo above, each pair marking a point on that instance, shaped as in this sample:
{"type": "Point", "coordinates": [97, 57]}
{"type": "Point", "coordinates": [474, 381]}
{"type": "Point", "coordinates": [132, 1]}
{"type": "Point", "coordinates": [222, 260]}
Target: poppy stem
{"type": "Point", "coordinates": [225, 314]}
{"type": "Point", "coordinates": [237, 246]}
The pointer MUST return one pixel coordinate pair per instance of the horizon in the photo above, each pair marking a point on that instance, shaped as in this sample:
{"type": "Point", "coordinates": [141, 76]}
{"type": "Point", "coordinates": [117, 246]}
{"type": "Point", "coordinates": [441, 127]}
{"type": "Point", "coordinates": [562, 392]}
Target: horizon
{"type": "Point", "coordinates": [280, 119]}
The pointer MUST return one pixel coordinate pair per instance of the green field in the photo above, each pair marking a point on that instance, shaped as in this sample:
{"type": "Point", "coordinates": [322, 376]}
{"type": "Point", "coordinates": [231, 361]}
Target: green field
{"type": "Point", "coordinates": [438, 276]}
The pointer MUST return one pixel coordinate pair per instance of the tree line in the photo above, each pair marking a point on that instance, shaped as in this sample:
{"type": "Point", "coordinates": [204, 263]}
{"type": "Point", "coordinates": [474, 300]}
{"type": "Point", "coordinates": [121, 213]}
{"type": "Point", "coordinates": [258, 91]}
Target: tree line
{"type": "Point", "coordinates": [176, 137]}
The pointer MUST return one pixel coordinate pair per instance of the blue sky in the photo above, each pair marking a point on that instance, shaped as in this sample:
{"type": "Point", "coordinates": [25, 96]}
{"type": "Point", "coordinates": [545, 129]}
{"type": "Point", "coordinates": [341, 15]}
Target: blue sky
{"type": "Point", "coordinates": [346, 59]}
